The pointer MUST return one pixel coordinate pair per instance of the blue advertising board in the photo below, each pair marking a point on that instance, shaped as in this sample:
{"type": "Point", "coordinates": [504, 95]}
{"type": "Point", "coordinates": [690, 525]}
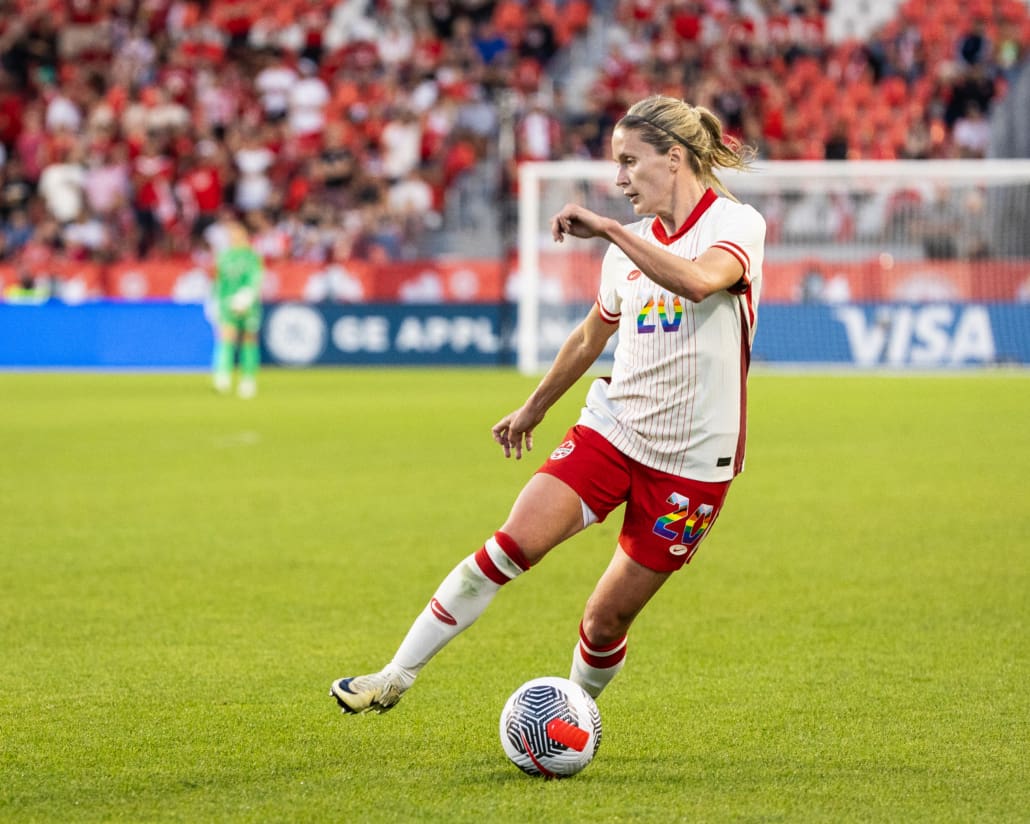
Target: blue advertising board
{"type": "Point", "coordinates": [105, 335]}
{"type": "Point", "coordinates": [300, 334]}
{"type": "Point", "coordinates": [894, 335]}
{"type": "Point", "coordinates": [122, 335]}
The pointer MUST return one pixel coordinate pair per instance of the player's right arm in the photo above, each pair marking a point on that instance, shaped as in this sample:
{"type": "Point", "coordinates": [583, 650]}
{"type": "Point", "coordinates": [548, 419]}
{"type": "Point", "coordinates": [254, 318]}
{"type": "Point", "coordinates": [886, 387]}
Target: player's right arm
{"type": "Point", "coordinates": [713, 271]}
{"type": "Point", "coordinates": [575, 357]}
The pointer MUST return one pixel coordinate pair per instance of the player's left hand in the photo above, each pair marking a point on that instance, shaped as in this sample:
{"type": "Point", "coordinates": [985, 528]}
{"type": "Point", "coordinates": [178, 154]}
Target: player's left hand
{"type": "Point", "coordinates": [242, 300]}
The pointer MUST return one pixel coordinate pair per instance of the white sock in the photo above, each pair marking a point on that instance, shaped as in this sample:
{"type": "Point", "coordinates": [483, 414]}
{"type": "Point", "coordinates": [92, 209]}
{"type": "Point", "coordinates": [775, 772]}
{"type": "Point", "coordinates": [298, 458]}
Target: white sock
{"type": "Point", "coordinates": [594, 667]}
{"type": "Point", "coordinates": [462, 597]}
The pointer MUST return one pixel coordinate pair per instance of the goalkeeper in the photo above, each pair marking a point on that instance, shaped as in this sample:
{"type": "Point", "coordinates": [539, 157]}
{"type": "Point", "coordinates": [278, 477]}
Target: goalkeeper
{"type": "Point", "coordinates": [237, 291]}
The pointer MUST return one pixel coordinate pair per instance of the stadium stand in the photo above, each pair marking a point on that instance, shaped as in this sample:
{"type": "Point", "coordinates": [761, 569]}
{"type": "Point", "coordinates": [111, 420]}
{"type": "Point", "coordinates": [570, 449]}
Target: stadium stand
{"type": "Point", "coordinates": [363, 131]}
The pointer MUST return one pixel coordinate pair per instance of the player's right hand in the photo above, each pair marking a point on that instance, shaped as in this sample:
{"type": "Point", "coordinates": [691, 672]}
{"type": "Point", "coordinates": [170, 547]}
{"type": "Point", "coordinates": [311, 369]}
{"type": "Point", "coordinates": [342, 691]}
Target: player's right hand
{"type": "Point", "coordinates": [512, 435]}
{"type": "Point", "coordinates": [577, 221]}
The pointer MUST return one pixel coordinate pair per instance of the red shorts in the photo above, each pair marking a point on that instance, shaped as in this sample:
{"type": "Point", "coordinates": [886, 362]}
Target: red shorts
{"type": "Point", "coordinates": [666, 515]}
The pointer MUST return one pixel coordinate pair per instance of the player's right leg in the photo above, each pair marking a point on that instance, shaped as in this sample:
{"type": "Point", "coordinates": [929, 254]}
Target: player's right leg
{"type": "Point", "coordinates": [224, 355]}
{"type": "Point", "coordinates": [546, 512]}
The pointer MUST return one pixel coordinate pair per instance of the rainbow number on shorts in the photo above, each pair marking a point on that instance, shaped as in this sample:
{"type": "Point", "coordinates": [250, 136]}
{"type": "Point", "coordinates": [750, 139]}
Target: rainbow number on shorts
{"type": "Point", "coordinates": [670, 315]}
{"type": "Point", "coordinates": [694, 524]}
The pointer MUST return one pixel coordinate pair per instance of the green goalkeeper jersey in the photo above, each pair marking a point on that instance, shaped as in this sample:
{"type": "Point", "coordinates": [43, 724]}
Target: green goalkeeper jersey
{"type": "Point", "coordinates": [238, 282]}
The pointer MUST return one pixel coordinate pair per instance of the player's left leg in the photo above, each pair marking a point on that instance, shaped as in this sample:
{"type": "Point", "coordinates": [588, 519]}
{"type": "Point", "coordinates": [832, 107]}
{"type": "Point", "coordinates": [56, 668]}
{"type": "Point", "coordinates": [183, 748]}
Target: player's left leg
{"type": "Point", "coordinates": [623, 590]}
{"type": "Point", "coordinates": [250, 357]}
{"type": "Point", "coordinates": [581, 483]}
{"type": "Point", "coordinates": [546, 512]}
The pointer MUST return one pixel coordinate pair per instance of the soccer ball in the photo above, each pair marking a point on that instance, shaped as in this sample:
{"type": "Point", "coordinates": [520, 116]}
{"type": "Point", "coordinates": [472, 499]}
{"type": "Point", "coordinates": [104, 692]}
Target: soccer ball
{"type": "Point", "coordinates": [550, 727]}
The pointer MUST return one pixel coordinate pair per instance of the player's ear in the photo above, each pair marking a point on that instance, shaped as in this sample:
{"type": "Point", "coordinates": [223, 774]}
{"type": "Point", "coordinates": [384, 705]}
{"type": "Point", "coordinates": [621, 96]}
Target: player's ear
{"type": "Point", "coordinates": [675, 157]}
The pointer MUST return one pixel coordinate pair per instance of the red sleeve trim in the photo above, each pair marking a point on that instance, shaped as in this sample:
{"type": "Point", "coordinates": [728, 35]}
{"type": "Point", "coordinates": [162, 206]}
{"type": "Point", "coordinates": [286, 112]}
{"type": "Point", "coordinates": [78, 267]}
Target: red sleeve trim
{"type": "Point", "coordinates": [736, 251]}
{"type": "Point", "coordinates": [606, 316]}
{"type": "Point", "coordinates": [744, 283]}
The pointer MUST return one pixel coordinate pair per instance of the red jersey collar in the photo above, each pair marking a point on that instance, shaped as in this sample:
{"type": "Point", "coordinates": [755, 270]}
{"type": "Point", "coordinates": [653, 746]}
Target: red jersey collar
{"type": "Point", "coordinates": [707, 199]}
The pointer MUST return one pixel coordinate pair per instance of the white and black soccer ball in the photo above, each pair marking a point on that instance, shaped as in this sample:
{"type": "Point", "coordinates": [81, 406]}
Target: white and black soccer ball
{"type": "Point", "coordinates": [550, 727]}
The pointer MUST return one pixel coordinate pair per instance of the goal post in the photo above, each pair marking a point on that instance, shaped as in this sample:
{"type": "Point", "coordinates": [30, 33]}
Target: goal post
{"type": "Point", "coordinates": [868, 234]}
{"type": "Point", "coordinates": [545, 267]}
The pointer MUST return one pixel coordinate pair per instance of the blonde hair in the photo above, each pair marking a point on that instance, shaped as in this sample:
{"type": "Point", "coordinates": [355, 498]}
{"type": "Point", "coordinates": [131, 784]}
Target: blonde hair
{"type": "Point", "coordinates": [666, 121]}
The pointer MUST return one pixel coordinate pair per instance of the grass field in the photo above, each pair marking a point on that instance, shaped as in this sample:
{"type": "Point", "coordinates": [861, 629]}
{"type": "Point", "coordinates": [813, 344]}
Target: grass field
{"type": "Point", "coordinates": [182, 575]}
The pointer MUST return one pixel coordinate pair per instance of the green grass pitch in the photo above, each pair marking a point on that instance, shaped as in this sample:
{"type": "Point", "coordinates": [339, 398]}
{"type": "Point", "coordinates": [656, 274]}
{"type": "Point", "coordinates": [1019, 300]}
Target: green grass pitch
{"type": "Point", "coordinates": [182, 574]}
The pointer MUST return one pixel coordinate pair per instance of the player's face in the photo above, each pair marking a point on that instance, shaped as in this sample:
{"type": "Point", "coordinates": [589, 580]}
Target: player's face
{"type": "Point", "coordinates": [644, 175]}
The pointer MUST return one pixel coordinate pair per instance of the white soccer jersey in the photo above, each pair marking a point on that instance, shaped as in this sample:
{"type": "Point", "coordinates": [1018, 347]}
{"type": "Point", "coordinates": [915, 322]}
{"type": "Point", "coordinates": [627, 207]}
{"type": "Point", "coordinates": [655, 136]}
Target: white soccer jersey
{"type": "Point", "coordinates": [676, 400]}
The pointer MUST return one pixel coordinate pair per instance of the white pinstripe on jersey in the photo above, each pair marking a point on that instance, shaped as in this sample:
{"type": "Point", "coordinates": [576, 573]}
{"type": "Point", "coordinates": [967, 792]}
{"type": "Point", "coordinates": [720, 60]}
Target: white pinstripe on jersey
{"type": "Point", "coordinates": [677, 397]}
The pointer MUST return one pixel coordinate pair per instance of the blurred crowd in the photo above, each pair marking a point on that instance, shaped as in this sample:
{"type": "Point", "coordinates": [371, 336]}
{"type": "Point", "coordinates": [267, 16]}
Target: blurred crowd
{"type": "Point", "coordinates": [338, 128]}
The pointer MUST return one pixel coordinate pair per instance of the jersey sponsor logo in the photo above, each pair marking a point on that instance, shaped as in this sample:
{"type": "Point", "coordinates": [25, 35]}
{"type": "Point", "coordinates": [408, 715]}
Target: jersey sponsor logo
{"type": "Point", "coordinates": [667, 311]}
{"type": "Point", "coordinates": [442, 614]}
{"type": "Point", "coordinates": [563, 451]}
{"type": "Point", "coordinates": [634, 274]}
{"type": "Point", "coordinates": [684, 526]}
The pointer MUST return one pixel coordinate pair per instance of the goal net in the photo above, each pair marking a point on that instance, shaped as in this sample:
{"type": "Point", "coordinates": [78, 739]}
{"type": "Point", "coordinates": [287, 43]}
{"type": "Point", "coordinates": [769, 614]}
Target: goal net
{"type": "Point", "coordinates": [867, 262]}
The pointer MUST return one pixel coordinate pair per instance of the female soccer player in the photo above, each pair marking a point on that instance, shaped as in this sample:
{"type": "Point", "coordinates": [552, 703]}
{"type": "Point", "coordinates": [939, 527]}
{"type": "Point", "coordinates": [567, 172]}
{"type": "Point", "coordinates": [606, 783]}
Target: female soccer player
{"type": "Point", "coordinates": [664, 435]}
{"type": "Point", "coordinates": [237, 292]}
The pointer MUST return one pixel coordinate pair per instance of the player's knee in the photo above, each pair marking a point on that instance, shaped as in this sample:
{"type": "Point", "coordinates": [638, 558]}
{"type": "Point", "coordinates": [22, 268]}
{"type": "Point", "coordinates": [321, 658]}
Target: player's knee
{"type": "Point", "coordinates": [531, 546]}
{"type": "Point", "coordinates": [603, 626]}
